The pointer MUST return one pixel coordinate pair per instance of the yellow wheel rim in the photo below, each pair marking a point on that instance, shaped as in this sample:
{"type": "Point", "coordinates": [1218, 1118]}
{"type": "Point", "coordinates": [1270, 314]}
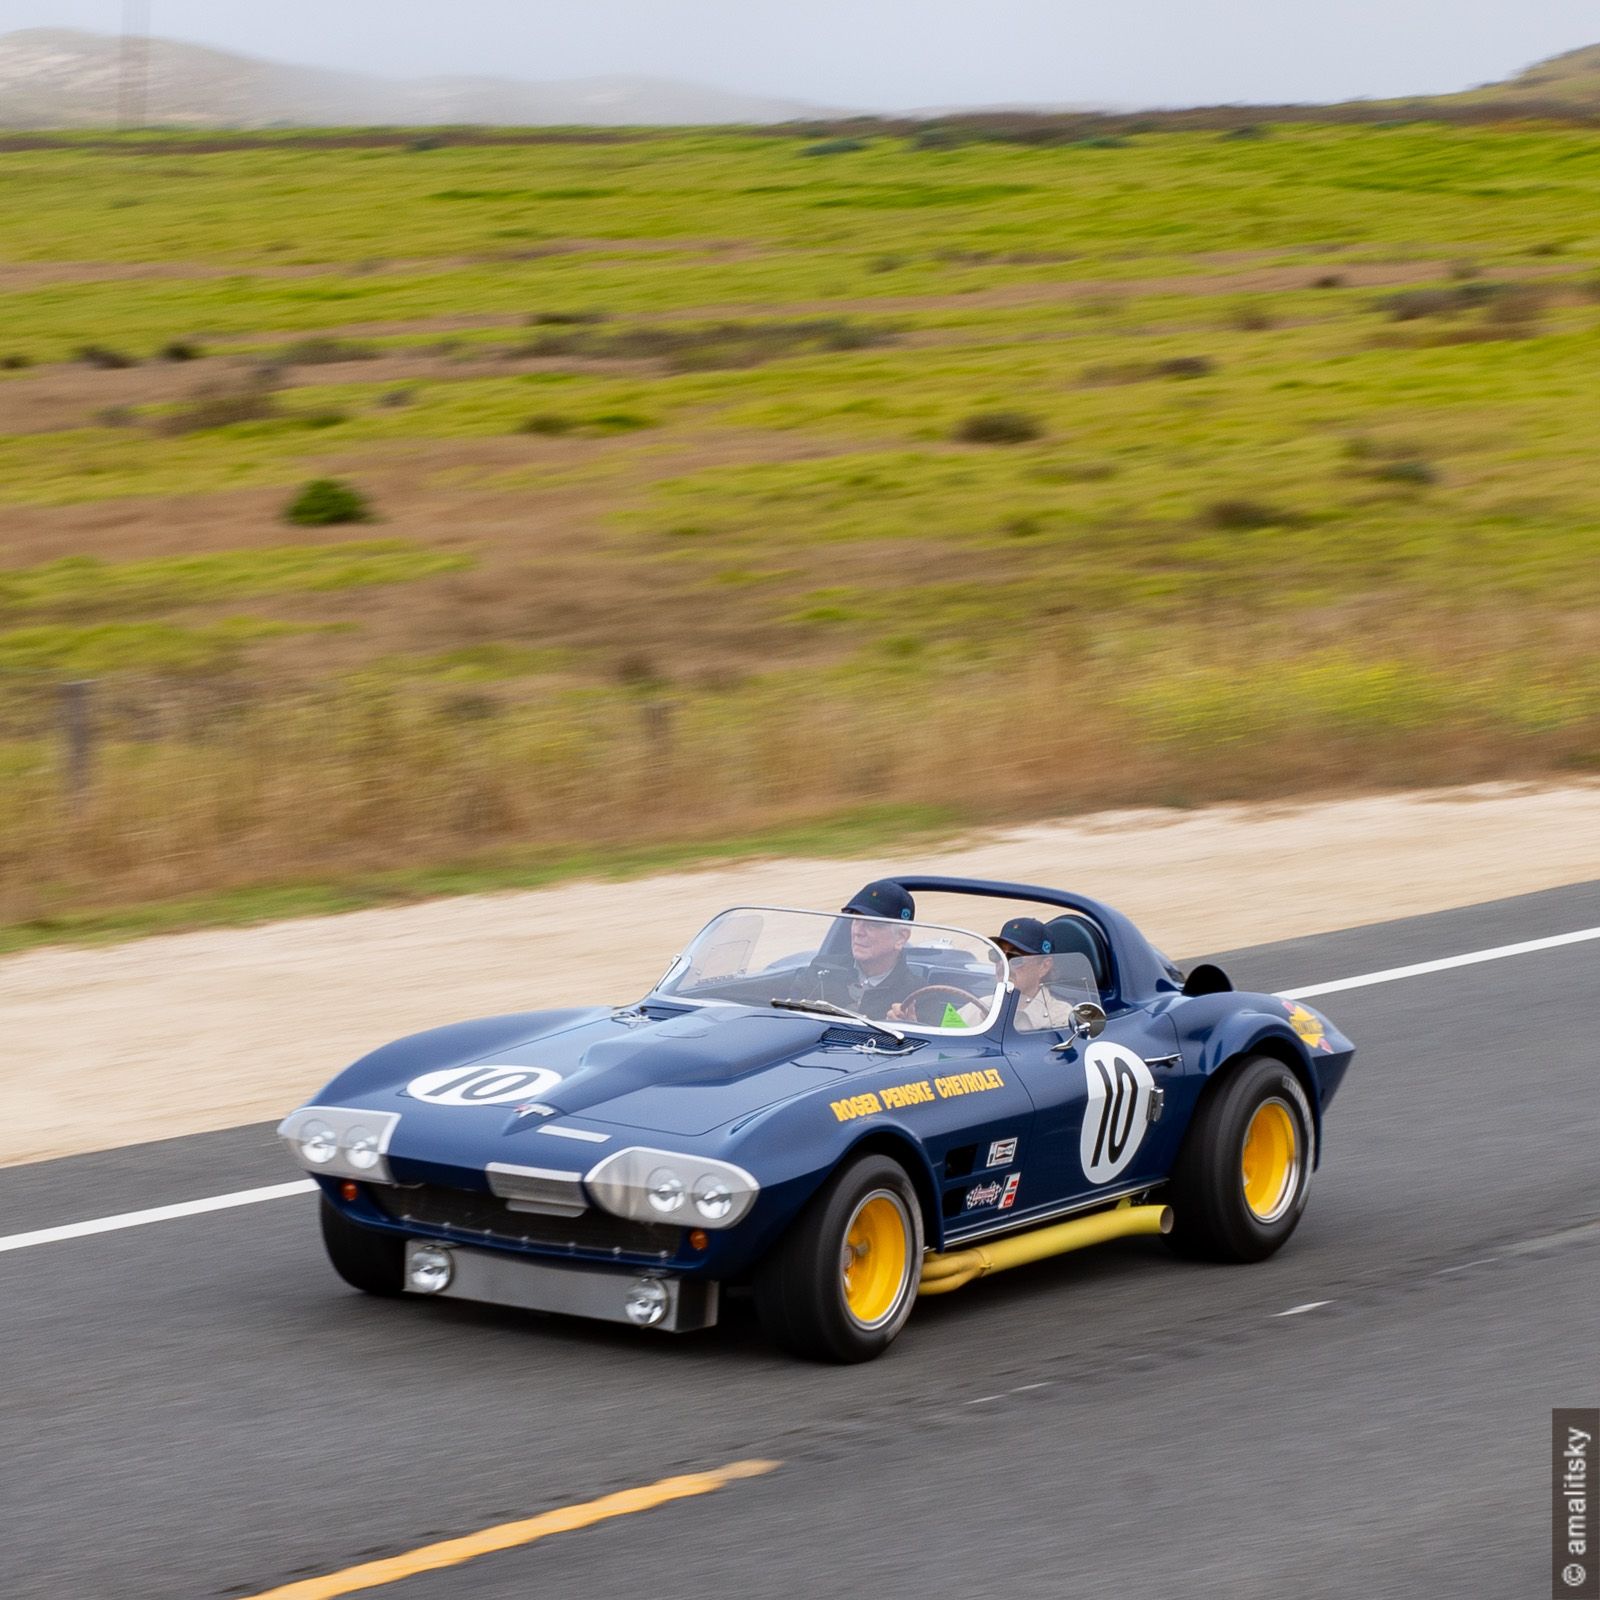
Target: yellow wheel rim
{"type": "Point", "coordinates": [875, 1263]}
{"type": "Point", "coordinates": [1270, 1164]}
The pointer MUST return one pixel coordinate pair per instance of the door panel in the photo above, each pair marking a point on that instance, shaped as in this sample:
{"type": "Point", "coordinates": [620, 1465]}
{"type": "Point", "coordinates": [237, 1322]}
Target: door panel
{"type": "Point", "coordinates": [1093, 1102]}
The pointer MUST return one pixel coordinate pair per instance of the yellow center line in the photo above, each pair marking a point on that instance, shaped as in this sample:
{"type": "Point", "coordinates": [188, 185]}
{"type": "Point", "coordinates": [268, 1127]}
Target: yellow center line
{"type": "Point", "coordinates": [508, 1535]}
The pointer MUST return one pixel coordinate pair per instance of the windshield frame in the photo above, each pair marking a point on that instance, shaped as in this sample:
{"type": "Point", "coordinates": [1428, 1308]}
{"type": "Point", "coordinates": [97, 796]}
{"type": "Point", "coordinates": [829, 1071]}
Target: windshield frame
{"type": "Point", "coordinates": [1003, 986]}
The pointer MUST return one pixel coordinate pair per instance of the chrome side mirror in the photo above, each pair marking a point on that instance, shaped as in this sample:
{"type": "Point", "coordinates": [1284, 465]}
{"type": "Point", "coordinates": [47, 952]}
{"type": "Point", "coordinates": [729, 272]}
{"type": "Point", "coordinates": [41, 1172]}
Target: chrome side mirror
{"type": "Point", "coordinates": [1088, 1019]}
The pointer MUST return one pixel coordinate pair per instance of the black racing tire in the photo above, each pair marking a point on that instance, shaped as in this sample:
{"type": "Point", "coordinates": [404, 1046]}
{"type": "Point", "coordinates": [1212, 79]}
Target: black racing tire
{"type": "Point", "coordinates": [818, 1303]}
{"type": "Point", "coordinates": [366, 1258]}
{"type": "Point", "coordinates": [1230, 1203]}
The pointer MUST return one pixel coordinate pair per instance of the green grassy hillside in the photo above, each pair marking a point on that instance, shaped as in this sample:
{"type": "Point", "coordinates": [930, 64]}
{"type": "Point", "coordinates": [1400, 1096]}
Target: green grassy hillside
{"type": "Point", "coordinates": [725, 482]}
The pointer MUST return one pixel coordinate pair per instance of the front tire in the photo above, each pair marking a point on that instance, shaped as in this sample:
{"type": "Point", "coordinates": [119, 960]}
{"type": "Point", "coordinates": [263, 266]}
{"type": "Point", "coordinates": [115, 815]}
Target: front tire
{"type": "Point", "coordinates": [1243, 1176]}
{"type": "Point", "coordinates": [842, 1281]}
{"type": "Point", "coordinates": [365, 1258]}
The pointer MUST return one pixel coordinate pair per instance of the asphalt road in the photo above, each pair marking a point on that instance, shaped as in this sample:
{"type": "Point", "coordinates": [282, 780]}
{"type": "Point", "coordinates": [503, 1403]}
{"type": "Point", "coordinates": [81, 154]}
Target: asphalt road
{"type": "Point", "coordinates": [198, 1407]}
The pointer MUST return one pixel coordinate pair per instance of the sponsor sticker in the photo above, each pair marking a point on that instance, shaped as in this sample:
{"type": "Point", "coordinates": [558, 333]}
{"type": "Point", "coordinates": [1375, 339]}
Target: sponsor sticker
{"type": "Point", "coordinates": [1002, 1153]}
{"type": "Point", "coordinates": [1009, 1198]}
{"type": "Point", "coordinates": [984, 1195]}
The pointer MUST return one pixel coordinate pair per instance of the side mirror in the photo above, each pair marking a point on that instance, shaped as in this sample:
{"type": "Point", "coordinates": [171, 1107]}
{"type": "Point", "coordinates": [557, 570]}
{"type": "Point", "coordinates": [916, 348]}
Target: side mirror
{"type": "Point", "coordinates": [1088, 1020]}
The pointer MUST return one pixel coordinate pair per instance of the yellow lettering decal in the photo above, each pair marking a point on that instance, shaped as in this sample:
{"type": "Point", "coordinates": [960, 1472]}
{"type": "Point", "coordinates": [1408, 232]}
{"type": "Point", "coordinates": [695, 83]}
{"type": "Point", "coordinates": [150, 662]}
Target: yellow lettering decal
{"type": "Point", "coordinates": [908, 1094]}
{"type": "Point", "coordinates": [857, 1105]}
{"type": "Point", "coordinates": [960, 1083]}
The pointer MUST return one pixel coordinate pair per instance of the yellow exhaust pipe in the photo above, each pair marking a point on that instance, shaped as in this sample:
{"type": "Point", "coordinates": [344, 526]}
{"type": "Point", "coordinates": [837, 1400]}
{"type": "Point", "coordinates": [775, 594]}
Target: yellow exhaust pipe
{"type": "Point", "coordinates": [942, 1273]}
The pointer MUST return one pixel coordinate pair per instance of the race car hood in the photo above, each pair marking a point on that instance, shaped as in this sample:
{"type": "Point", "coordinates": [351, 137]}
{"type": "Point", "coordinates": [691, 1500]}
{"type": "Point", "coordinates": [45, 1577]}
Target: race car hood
{"type": "Point", "coordinates": [497, 1081]}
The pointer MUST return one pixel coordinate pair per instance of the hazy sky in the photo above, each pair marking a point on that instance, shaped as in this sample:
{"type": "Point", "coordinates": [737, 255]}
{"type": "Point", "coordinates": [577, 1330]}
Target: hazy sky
{"type": "Point", "coordinates": [899, 53]}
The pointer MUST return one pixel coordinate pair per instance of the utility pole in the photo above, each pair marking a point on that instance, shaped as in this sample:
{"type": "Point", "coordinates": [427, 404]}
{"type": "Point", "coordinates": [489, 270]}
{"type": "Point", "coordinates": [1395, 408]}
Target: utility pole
{"type": "Point", "coordinates": [133, 81]}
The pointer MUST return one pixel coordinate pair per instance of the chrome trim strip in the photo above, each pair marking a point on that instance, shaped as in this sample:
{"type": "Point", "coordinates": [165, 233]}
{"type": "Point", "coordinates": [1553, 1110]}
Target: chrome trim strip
{"type": "Point", "coordinates": [550, 1174]}
{"type": "Point", "coordinates": [574, 1133]}
{"type": "Point", "coordinates": [1016, 1224]}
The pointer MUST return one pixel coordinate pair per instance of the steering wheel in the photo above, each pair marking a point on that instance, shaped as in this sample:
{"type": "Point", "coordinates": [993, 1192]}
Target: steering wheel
{"type": "Point", "coordinates": [938, 988]}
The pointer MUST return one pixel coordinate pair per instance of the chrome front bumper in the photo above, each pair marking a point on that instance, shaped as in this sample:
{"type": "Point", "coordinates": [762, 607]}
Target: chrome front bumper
{"type": "Point", "coordinates": [495, 1278]}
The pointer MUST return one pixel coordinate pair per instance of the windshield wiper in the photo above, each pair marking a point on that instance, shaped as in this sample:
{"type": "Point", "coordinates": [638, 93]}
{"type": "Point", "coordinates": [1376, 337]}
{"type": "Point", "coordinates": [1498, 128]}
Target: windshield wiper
{"type": "Point", "coordinates": [829, 1009]}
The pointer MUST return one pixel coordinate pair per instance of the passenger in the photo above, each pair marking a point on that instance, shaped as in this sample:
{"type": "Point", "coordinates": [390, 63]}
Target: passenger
{"type": "Point", "coordinates": [1029, 950]}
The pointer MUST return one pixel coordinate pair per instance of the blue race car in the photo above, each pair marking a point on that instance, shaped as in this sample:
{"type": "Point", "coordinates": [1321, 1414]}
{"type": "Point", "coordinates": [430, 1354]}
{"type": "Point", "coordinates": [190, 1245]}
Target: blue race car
{"type": "Point", "coordinates": [836, 1113]}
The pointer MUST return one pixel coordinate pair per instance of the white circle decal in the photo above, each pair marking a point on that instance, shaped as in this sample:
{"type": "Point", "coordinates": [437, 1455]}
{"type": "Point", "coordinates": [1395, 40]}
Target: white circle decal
{"type": "Point", "coordinates": [482, 1086]}
{"type": "Point", "coordinates": [1117, 1111]}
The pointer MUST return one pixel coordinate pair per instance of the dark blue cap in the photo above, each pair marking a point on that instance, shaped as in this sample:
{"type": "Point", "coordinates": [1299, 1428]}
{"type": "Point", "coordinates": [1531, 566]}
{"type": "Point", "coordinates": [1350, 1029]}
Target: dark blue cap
{"type": "Point", "coordinates": [885, 898]}
{"type": "Point", "coordinates": [1026, 936]}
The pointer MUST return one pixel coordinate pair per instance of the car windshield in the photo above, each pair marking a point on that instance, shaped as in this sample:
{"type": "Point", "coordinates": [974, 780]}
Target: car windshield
{"type": "Point", "coordinates": [913, 976]}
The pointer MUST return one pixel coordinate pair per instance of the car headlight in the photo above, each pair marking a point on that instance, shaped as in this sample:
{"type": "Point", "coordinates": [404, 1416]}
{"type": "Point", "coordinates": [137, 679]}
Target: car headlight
{"type": "Point", "coordinates": [713, 1199]}
{"type": "Point", "coordinates": [344, 1142]}
{"type": "Point", "coordinates": [655, 1185]}
{"type": "Point", "coordinates": [665, 1190]}
{"type": "Point", "coordinates": [317, 1142]}
{"type": "Point", "coordinates": [360, 1145]}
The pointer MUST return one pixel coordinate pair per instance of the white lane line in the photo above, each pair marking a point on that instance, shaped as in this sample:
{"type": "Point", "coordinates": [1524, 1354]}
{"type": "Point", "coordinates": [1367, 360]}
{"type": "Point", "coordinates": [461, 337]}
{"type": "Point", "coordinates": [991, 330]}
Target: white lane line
{"type": "Point", "coordinates": [1393, 974]}
{"type": "Point", "coordinates": [1310, 1305]}
{"type": "Point", "coordinates": [277, 1191]}
{"type": "Point", "coordinates": [138, 1219]}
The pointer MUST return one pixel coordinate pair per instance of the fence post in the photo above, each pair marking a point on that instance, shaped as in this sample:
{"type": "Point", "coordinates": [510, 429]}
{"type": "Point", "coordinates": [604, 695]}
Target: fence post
{"type": "Point", "coordinates": [657, 717]}
{"type": "Point", "coordinates": [77, 740]}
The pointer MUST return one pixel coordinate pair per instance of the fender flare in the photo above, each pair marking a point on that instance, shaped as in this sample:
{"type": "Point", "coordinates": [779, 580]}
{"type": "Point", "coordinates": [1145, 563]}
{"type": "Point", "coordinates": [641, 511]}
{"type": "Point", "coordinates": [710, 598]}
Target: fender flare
{"type": "Point", "coordinates": [1255, 1033]}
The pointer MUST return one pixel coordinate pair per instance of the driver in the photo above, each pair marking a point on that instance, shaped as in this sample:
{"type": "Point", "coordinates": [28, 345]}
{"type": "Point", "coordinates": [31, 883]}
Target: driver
{"type": "Point", "coordinates": [878, 978]}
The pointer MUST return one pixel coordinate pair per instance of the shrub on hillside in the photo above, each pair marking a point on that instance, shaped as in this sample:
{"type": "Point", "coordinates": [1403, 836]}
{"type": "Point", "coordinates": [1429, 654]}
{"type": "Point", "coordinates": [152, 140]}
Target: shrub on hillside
{"type": "Point", "coordinates": [325, 501]}
{"type": "Point", "coordinates": [999, 427]}
{"type": "Point", "coordinates": [325, 352]}
{"type": "Point", "coordinates": [180, 350]}
{"type": "Point", "coordinates": [15, 363]}
{"type": "Point", "coordinates": [220, 409]}
{"type": "Point", "coordinates": [1415, 474]}
{"type": "Point", "coordinates": [105, 358]}
{"type": "Point", "coordinates": [1242, 515]}
{"type": "Point", "coordinates": [565, 319]}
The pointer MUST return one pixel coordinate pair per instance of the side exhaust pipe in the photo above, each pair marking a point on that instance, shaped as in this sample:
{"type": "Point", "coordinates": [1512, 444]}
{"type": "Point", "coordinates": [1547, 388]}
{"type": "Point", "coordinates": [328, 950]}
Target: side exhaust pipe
{"type": "Point", "coordinates": [943, 1273]}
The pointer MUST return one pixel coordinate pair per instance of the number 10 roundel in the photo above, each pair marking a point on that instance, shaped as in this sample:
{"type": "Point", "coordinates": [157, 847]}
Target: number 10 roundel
{"type": "Point", "coordinates": [1117, 1112]}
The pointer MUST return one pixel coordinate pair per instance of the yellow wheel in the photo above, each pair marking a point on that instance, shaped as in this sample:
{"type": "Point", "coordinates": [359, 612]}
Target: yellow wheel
{"type": "Point", "coordinates": [1269, 1166]}
{"type": "Point", "coordinates": [1239, 1186]}
{"type": "Point", "coordinates": [875, 1265]}
{"type": "Point", "coordinates": [839, 1285]}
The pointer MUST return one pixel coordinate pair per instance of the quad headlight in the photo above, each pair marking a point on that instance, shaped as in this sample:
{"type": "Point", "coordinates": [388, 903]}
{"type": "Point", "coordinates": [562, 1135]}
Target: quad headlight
{"type": "Point", "coordinates": [343, 1142]}
{"type": "Point", "coordinates": [662, 1186]}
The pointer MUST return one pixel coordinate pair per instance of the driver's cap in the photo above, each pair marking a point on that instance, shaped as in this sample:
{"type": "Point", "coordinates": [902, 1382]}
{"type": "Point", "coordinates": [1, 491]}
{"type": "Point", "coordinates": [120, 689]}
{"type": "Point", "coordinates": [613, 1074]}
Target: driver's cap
{"type": "Point", "coordinates": [885, 898]}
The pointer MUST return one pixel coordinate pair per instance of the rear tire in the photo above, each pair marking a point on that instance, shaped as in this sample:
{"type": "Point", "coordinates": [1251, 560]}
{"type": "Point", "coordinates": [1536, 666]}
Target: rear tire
{"type": "Point", "coordinates": [367, 1259]}
{"type": "Point", "coordinates": [841, 1282]}
{"type": "Point", "coordinates": [1242, 1178]}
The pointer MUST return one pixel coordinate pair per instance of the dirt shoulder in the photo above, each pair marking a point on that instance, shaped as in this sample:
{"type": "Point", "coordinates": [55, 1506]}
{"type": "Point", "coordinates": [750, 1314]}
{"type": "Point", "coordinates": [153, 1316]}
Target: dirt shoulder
{"type": "Point", "coordinates": [191, 1032]}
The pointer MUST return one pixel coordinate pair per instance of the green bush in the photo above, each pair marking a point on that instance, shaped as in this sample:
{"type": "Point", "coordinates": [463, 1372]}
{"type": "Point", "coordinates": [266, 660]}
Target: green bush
{"type": "Point", "coordinates": [220, 410]}
{"type": "Point", "coordinates": [1242, 515]}
{"type": "Point", "coordinates": [1418, 474]}
{"type": "Point", "coordinates": [15, 363]}
{"type": "Point", "coordinates": [105, 358]}
{"type": "Point", "coordinates": [833, 147]}
{"type": "Point", "coordinates": [180, 350]}
{"type": "Point", "coordinates": [324, 501]}
{"type": "Point", "coordinates": [999, 427]}
{"type": "Point", "coordinates": [322, 351]}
